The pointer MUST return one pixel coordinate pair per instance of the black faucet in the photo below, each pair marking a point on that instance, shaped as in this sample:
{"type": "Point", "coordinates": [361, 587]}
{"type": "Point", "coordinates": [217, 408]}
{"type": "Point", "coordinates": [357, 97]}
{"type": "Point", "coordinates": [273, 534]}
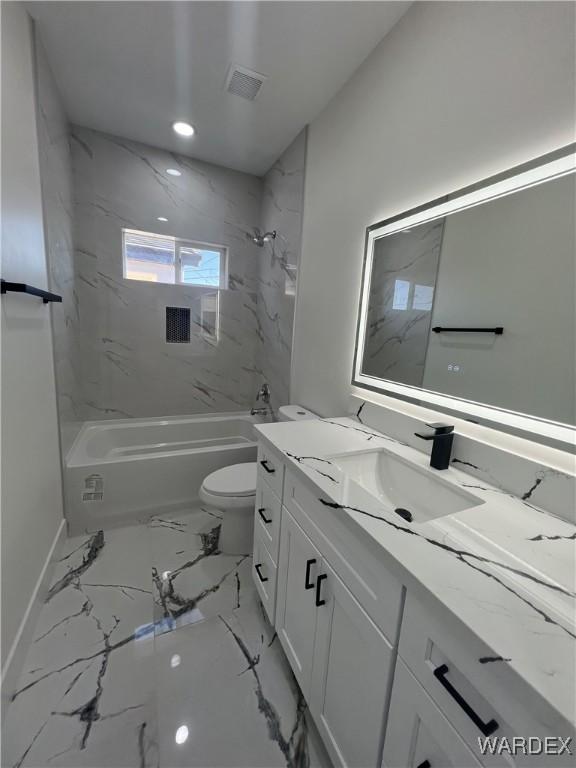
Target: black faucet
{"type": "Point", "coordinates": [442, 439]}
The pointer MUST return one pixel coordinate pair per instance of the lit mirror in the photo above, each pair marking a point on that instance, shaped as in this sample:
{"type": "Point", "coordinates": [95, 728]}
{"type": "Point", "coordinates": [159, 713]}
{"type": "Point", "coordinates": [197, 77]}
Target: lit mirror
{"type": "Point", "coordinates": [468, 303]}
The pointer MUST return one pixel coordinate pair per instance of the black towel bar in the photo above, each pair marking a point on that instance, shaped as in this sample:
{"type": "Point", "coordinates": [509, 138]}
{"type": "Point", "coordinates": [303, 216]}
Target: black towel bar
{"type": "Point", "coordinates": [46, 296]}
{"type": "Point", "coordinates": [499, 330]}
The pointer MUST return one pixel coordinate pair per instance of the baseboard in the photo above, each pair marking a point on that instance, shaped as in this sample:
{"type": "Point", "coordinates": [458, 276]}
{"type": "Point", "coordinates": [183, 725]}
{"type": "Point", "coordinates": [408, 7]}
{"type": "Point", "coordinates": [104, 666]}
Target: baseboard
{"type": "Point", "coordinates": [15, 659]}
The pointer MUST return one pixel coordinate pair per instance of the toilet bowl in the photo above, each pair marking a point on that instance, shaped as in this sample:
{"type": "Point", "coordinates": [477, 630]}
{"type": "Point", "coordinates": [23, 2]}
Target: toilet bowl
{"type": "Point", "coordinates": [231, 492]}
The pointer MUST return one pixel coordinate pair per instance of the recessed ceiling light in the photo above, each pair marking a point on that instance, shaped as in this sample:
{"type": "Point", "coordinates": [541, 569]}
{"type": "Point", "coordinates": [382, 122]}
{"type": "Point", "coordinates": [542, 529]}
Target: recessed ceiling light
{"type": "Point", "coordinates": [181, 735]}
{"type": "Point", "coordinates": [162, 218]}
{"type": "Point", "coordinates": [183, 129]}
{"type": "Point", "coordinates": [173, 172]}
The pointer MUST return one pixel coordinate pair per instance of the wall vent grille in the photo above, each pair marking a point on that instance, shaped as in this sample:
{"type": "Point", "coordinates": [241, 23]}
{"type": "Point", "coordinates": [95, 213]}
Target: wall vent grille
{"type": "Point", "coordinates": [244, 82]}
{"type": "Point", "coordinates": [177, 325]}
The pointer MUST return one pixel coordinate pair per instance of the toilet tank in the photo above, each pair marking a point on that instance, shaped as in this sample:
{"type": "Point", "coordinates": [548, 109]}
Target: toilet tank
{"type": "Point", "coordinates": [295, 413]}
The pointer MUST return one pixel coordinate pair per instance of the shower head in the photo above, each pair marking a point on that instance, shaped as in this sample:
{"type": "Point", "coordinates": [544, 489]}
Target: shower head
{"type": "Point", "coordinates": [259, 239]}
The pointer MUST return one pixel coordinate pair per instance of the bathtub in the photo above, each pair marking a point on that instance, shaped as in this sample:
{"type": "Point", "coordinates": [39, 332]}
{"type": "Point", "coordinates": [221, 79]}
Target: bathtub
{"type": "Point", "coordinates": [122, 471]}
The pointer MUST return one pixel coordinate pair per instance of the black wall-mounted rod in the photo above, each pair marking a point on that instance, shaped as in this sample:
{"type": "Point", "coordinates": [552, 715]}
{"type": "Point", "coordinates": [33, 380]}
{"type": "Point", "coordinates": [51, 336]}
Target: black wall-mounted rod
{"type": "Point", "coordinates": [46, 296]}
{"type": "Point", "coordinates": [499, 330]}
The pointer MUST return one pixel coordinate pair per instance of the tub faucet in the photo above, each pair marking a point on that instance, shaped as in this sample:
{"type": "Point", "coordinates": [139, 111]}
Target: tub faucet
{"type": "Point", "coordinates": [264, 395]}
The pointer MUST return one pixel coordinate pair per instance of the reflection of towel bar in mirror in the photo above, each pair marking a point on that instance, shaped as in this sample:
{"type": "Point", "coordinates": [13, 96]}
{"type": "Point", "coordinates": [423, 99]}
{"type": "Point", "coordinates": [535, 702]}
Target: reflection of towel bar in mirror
{"type": "Point", "coordinates": [499, 330]}
{"type": "Point", "coordinates": [46, 296]}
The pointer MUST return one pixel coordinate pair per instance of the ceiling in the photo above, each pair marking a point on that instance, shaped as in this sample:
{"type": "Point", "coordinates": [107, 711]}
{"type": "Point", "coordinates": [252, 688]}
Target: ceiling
{"type": "Point", "coordinates": [132, 68]}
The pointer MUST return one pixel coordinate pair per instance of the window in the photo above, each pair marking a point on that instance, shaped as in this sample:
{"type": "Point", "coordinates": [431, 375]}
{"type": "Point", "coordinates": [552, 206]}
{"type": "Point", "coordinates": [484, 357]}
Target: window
{"type": "Point", "coordinates": [165, 259]}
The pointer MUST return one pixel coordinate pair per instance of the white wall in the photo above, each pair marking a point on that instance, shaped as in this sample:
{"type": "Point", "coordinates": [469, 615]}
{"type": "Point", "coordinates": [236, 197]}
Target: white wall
{"type": "Point", "coordinates": [56, 177]}
{"type": "Point", "coordinates": [31, 480]}
{"type": "Point", "coordinates": [456, 92]}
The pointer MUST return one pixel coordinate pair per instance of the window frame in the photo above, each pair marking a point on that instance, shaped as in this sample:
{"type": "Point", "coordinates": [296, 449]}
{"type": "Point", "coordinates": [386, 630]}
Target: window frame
{"type": "Point", "coordinates": [179, 244]}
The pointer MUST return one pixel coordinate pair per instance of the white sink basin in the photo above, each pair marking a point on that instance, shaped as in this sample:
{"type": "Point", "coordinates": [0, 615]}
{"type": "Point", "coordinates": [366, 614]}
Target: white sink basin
{"type": "Point", "coordinates": [415, 493]}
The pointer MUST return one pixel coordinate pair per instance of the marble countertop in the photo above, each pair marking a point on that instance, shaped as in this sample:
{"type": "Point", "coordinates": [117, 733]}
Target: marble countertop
{"type": "Point", "coordinates": [505, 568]}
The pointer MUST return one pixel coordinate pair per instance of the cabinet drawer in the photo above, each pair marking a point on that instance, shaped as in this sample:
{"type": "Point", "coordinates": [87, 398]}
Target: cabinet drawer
{"type": "Point", "coordinates": [264, 573]}
{"type": "Point", "coordinates": [268, 513]}
{"type": "Point", "coordinates": [478, 697]}
{"type": "Point", "coordinates": [270, 469]}
{"type": "Point", "coordinates": [418, 735]}
{"type": "Point", "coordinates": [355, 557]}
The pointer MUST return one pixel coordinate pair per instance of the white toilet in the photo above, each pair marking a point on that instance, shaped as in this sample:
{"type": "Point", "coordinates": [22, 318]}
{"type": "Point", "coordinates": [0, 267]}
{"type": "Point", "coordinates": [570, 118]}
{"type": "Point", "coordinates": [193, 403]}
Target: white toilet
{"type": "Point", "coordinates": [232, 492]}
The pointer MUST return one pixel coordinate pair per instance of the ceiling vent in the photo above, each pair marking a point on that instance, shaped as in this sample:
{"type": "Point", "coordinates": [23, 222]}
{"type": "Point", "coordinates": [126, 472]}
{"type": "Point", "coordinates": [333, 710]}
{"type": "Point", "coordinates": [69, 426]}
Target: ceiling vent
{"type": "Point", "coordinates": [244, 82]}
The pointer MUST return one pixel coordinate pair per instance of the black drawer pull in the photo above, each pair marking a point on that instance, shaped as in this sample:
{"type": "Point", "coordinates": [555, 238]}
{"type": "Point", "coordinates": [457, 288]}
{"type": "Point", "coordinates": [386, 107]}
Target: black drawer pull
{"type": "Point", "coordinates": [309, 564]}
{"type": "Point", "coordinates": [425, 764]}
{"type": "Point", "coordinates": [257, 568]}
{"type": "Point", "coordinates": [485, 728]}
{"type": "Point", "coordinates": [319, 581]}
{"type": "Point", "coordinates": [264, 463]}
{"type": "Point", "coordinates": [263, 516]}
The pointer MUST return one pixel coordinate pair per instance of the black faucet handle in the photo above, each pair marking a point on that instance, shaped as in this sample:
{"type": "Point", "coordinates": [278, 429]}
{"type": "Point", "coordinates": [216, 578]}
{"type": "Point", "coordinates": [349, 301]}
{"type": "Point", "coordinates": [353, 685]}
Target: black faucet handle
{"type": "Point", "coordinates": [440, 428]}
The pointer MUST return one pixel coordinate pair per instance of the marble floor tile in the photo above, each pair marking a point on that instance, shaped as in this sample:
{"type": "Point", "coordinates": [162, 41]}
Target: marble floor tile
{"type": "Point", "coordinates": [87, 677]}
{"type": "Point", "coordinates": [146, 629]}
{"type": "Point", "coordinates": [234, 659]}
{"type": "Point", "coordinates": [192, 579]}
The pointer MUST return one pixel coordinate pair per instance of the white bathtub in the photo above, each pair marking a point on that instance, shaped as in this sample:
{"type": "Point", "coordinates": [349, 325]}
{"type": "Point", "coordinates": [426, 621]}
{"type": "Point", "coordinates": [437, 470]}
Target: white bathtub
{"type": "Point", "coordinates": [124, 470]}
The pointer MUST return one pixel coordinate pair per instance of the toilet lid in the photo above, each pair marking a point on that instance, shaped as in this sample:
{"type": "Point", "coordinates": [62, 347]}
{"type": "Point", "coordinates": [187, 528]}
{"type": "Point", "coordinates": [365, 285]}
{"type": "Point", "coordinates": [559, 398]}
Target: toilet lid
{"type": "Point", "coordinates": [235, 480]}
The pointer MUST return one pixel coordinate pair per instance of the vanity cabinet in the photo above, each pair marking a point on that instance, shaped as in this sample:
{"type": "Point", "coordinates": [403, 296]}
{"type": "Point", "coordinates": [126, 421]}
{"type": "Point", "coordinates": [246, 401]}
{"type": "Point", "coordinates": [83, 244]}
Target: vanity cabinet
{"type": "Point", "coordinates": [351, 671]}
{"type": "Point", "coordinates": [341, 660]}
{"type": "Point", "coordinates": [300, 565]}
{"type": "Point", "coordinates": [267, 520]}
{"type": "Point", "coordinates": [390, 678]}
{"type": "Point", "coordinates": [418, 735]}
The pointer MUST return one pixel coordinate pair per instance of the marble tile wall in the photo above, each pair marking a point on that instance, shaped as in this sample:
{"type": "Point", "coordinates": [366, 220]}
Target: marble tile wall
{"type": "Point", "coordinates": [282, 205]}
{"type": "Point", "coordinates": [402, 288]}
{"type": "Point", "coordinates": [127, 368]}
{"type": "Point", "coordinates": [56, 180]}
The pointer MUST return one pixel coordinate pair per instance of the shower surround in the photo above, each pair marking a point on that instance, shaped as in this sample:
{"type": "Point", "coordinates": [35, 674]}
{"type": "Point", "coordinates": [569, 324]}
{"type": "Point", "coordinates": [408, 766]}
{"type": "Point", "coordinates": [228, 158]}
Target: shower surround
{"type": "Point", "coordinates": [128, 369]}
{"type": "Point", "coordinates": [282, 204]}
{"type": "Point", "coordinates": [125, 365]}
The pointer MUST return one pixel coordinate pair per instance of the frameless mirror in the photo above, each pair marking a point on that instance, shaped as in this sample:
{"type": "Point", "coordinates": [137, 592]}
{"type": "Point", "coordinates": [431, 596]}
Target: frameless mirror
{"type": "Point", "coordinates": [468, 303]}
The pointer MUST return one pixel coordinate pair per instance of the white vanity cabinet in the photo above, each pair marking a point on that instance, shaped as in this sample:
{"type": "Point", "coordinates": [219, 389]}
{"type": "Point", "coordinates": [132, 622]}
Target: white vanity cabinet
{"type": "Point", "coordinates": [340, 658]}
{"type": "Point", "coordinates": [418, 735]}
{"type": "Point", "coordinates": [267, 520]}
{"type": "Point", "coordinates": [351, 672]}
{"type": "Point", "coordinates": [391, 680]}
{"type": "Point", "coordinates": [300, 564]}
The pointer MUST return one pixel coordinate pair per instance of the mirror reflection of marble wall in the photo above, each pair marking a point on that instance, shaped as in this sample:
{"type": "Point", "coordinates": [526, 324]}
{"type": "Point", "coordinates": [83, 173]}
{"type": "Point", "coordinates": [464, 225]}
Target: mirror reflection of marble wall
{"type": "Point", "coordinates": [400, 305]}
{"type": "Point", "coordinates": [508, 262]}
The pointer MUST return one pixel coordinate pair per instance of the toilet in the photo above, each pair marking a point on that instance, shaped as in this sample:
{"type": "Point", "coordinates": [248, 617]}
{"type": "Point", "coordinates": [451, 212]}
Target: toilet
{"type": "Point", "coordinates": [231, 491]}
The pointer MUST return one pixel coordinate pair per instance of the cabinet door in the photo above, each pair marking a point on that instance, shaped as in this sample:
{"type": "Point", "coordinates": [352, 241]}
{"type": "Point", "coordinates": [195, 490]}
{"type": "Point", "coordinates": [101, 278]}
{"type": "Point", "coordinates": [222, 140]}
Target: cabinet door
{"type": "Point", "coordinates": [351, 675]}
{"type": "Point", "coordinates": [418, 735]}
{"type": "Point", "coordinates": [299, 562]}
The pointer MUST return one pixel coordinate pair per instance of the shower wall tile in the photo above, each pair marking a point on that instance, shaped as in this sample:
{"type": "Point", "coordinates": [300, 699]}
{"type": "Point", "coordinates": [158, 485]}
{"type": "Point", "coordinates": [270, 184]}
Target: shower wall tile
{"type": "Point", "coordinates": [56, 180]}
{"type": "Point", "coordinates": [127, 367]}
{"type": "Point", "coordinates": [282, 205]}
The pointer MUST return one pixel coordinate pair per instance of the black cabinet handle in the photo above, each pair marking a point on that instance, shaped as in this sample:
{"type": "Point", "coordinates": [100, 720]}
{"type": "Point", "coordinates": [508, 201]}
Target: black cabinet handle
{"type": "Point", "coordinates": [262, 578]}
{"type": "Point", "coordinates": [309, 564]}
{"type": "Point", "coordinates": [425, 764]}
{"type": "Point", "coordinates": [264, 463]}
{"type": "Point", "coordinates": [485, 728]}
{"type": "Point", "coordinates": [263, 516]}
{"type": "Point", "coordinates": [319, 581]}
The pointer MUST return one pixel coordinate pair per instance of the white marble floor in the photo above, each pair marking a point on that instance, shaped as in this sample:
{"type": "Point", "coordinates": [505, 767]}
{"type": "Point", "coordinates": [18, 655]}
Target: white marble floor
{"type": "Point", "coordinates": [152, 649]}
